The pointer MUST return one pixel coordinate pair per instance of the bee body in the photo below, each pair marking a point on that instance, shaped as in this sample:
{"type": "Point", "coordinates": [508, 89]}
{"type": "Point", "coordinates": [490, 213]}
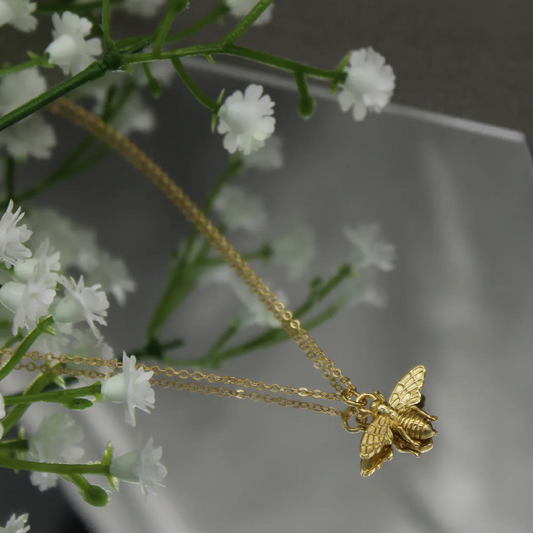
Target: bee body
{"type": "Point", "coordinates": [415, 425]}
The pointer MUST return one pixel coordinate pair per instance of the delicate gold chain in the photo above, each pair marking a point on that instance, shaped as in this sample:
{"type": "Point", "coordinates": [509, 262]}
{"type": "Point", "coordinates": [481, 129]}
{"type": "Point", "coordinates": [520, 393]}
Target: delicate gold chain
{"type": "Point", "coordinates": [58, 361]}
{"type": "Point", "coordinates": [107, 134]}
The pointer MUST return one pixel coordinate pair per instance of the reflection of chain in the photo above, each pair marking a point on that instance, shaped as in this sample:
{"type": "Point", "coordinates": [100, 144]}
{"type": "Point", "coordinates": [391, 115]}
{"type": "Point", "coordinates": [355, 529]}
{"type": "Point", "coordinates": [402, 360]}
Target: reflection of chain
{"type": "Point", "coordinates": [107, 134]}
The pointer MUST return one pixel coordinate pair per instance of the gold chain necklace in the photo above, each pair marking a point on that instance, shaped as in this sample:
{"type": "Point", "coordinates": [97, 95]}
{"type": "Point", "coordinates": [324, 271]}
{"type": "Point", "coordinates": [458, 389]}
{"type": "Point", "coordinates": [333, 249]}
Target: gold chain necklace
{"type": "Point", "coordinates": [400, 422]}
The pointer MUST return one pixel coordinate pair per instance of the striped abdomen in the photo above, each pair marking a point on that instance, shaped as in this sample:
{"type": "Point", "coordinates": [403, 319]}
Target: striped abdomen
{"type": "Point", "coordinates": [416, 425]}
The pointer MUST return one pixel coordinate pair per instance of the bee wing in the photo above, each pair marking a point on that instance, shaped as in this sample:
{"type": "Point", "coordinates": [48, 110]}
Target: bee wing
{"type": "Point", "coordinates": [369, 466]}
{"type": "Point", "coordinates": [407, 392]}
{"type": "Point", "coordinates": [377, 435]}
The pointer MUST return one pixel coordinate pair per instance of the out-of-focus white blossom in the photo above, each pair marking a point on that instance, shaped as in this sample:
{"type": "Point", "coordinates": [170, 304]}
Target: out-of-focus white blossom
{"type": "Point", "coordinates": [18, 13]}
{"type": "Point", "coordinates": [238, 210]}
{"type": "Point", "coordinates": [131, 388]}
{"type": "Point", "coordinates": [23, 270]}
{"type": "Point", "coordinates": [141, 466]}
{"type": "Point", "coordinates": [143, 8]}
{"type": "Point", "coordinates": [369, 83]}
{"type": "Point", "coordinates": [163, 71]}
{"type": "Point", "coordinates": [113, 275]}
{"type": "Point", "coordinates": [241, 8]}
{"type": "Point", "coordinates": [82, 303]}
{"type": "Point", "coordinates": [256, 312]}
{"type": "Point", "coordinates": [12, 251]}
{"type": "Point", "coordinates": [30, 301]}
{"type": "Point", "coordinates": [269, 157]}
{"type": "Point", "coordinates": [16, 524]}
{"type": "Point", "coordinates": [364, 288]}
{"type": "Point", "coordinates": [370, 248]}
{"type": "Point", "coordinates": [76, 243]}
{"type": "Point", "coordinates": [55, 442]}
{"type": "Point", "coordinates": [32, 136]}
{"type": "Point", "coordinates": [69, 49]}
{"type": "Point", "coordinates": [296, 250]}
{"type": "Point", "coordinates": [55, 344]}
{"type": "Point", "coordinates": [246, 120]}
{"type": "Point", "coordinates": [135, 116]}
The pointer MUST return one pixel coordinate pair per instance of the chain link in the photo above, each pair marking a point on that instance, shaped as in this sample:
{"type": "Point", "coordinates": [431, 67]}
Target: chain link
{"type": "Point", "coordinates": [107, 134]}
{"type": "Point", "coordinates": [55, 364]}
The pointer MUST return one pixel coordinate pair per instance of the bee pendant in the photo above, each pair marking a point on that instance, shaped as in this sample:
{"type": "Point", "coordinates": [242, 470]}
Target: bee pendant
{"type": "Point", "coordinates": [398, 422]}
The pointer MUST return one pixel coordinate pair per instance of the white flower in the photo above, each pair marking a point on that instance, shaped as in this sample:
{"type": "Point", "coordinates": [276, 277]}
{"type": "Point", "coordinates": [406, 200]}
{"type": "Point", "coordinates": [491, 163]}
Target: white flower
{"type": "Point", "coordinates": [32, 136]}
{"type": "Point", "coordinates": [270, 157]}
{"type": "Point", "coordinates": [2, 414]}
{"type": "Point", "coordinates": [23, 270]}
{"type": "Point", "coordinates": [131, 388]}
{"type": "Point", "coordinates": [256, 312]}
{"type": "Point", "coordinates": [241, 8]}
{"type": "Point", "coordinates": [114, 277]}
{"type": "Point", "coordinates": [369, 83]}
{"type": "Point", "coordinates": [30, 301]}
{"type": "Point", "coordinates": [296, 250]}
{"type": "Point", "coordinates": [16, 524]}
{"type": "Point", "coordinates": [143, 8]}
{"type": "Point", "coordinates": [163, 71]}
{"type": "Point", "coordinates": [363, 288]}
{"type": "Point", "coordinates": [134, 116]}
{"type": "Point", "coordinates": [55, 442]}
{"type": "Point", "coordinates": [77, 244]}
{"type": "Point", "coordinates": [16, 89]}
{"type": "Point", "coordinates": [69, 49]}
{"type": "Point", "coordinates": [246, 120]}
{"type": "Point", "coordinates": [370, 248]}
{"type": "Point", "coordinates": [12, 251]}
{"type": "Point", "coordinates": [18, 13]}
{"type": "Point", "coordinates": [239, 210]}
{"type": "Point", "coordinates": [81, 303]}
{"type": "Point", "coordinates": [140, 466]}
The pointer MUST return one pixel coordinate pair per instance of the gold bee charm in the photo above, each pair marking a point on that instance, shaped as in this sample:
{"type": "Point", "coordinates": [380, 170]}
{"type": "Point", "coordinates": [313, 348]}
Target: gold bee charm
{"type": "Point", "coordinates": [398, 422]}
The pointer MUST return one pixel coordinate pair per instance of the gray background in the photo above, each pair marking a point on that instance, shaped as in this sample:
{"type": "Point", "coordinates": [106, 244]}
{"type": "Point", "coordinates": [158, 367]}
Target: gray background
{"type": "Point", "coordinates": [458, 206]}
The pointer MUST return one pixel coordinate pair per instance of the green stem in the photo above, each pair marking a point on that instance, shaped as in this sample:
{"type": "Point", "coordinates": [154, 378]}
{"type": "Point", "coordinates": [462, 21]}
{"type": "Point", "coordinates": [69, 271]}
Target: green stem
{"type": "Point", "coordinates": [36, 61]}
{"type": "Point", "coordinates": [54, 468]}
{"type": "Point", "coordinates": [10, 177]}
{"type": "Point", "coordinates": [24, 346]}
{"type": "Point", "coordinates": [54, 396]}
{"type": "Point", "coordinates": [239, 51]}
{"type": "Point", "coordinates": [14, 445]}
{"type": "Point", "coordinates": [106, 25]}
{"type": "Point", "coordinates": [38, 384]}
{"type": "Point", "coordinates": [226, 336]}
{"type": "Point", "coordinates": [284, 64]}
{"type": "Point", "coordinates": [264, 253]}
{"type": "Point", "coordinates": [92, 72]}
{"type": "Point", "coordinates": [175, 7]}
{"type": "Point", "coordinates": [215, 15]}
{"type": "Point", "coordinates": [195, 90]}
{"type": "Point", "coordinates": [244, 25]}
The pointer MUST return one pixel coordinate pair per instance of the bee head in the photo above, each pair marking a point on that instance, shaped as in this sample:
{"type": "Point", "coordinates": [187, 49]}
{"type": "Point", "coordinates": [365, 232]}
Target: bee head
{"type": "Point", "coordinates": [380, 408]}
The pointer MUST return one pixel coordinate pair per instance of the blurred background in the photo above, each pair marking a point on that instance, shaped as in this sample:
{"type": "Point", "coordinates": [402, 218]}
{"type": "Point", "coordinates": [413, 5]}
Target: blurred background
{"type": "Point", "coordinates": [455, 196]}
